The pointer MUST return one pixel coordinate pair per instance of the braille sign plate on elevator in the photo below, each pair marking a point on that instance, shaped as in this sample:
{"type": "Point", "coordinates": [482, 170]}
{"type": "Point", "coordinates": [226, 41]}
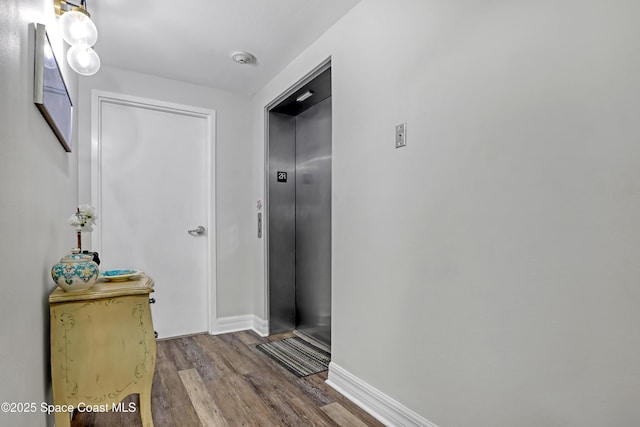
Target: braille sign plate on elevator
{"type": "Point", "coordinates": [282, 176]}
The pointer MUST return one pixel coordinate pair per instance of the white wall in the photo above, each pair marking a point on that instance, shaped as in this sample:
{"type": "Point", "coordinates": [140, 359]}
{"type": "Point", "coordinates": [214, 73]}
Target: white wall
{"type": "Point", "coordinates": [234, 207]}
{"type": "Point", "coordinates": [486, 274]}
{"type": "Point", "coordinates": [38, 192]}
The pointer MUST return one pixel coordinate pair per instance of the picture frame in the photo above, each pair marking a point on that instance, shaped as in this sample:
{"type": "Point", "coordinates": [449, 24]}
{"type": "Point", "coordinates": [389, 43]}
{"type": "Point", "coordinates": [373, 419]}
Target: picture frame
{"type": "Point", "coordinates": [50, 92]}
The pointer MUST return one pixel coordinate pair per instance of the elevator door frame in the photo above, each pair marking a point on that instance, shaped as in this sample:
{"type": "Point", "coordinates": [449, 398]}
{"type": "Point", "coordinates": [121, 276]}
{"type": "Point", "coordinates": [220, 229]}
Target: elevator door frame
{"type": "Point", "coordinates": [265, 220]}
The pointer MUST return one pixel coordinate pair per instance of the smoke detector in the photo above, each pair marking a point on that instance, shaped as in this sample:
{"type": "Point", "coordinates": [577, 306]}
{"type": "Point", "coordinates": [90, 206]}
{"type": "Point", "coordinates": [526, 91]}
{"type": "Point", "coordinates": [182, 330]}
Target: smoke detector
{"type": "Point", "coordinates": [243, 57]}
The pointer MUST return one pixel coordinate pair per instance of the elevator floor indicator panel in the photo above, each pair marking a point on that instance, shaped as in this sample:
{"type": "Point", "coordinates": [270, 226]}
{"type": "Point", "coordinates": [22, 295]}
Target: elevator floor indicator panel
{"type": "Point", "coordinates": [282, 176]}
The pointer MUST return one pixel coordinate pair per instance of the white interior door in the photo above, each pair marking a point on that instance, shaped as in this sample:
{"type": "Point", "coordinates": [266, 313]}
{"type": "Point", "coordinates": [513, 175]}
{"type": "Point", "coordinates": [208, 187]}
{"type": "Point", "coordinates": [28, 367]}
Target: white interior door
{"type": "Point", "coordinates": [153, 185]}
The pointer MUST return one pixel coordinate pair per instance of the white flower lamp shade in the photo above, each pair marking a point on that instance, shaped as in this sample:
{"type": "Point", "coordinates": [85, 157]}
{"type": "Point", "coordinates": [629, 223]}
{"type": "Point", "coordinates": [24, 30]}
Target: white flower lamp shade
{"type": "Point", "coordinates": [78, 29]}
{"type": "Point", "coordinates": [83, 60]}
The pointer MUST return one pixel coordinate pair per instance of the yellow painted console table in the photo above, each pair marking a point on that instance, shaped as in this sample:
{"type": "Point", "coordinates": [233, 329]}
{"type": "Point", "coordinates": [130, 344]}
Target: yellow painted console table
{"type": "Point", "coordinates": [103, 348]}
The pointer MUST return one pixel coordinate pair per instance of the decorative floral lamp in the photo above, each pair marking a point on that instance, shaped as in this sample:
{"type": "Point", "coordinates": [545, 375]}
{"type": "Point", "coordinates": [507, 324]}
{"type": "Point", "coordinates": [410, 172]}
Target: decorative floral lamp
{"type": "Point", "coordinates": [77, 272]}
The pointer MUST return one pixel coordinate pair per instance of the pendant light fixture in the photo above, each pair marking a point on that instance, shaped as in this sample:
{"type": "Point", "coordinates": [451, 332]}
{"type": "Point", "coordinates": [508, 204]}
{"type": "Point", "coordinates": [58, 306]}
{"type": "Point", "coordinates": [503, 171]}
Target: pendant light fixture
{"type": "Point", "coordinates": [80, 32]}
{"type": "Point", "coordinates": [83, 60]}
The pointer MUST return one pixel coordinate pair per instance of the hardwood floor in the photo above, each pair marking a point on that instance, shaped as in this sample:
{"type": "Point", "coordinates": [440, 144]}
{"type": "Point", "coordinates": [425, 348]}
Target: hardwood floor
{"type": "Point", "coordinates": [224, 380]}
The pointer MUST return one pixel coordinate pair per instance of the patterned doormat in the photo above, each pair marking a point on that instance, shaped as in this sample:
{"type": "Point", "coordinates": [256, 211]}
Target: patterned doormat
{"type": "Point", "coordinates": [297, 355]}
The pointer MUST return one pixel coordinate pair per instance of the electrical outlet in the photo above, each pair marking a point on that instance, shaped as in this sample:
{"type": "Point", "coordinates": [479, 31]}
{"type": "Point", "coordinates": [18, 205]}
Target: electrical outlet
{"type": "Point", "coordinates": [401, 135]}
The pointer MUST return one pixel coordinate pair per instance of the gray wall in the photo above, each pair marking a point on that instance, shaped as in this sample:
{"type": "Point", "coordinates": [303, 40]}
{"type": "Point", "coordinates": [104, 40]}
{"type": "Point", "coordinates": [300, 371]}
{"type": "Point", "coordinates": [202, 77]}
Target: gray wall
{"type": "Point", "coordinates": [499, 250]}
{"type": "Point", "coordinates": [38, 192]}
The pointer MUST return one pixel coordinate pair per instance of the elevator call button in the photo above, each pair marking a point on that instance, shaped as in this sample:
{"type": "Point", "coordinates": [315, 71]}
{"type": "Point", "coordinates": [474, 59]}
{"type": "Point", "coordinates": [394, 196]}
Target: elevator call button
{"type": "Point", "coordinates": [282, 176]}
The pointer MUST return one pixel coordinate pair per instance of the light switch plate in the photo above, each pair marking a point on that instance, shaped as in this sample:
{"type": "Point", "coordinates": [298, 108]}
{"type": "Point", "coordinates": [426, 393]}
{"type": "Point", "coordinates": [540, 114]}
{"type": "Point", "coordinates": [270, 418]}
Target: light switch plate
{"type": "Point", "coordinates": [401, 135]}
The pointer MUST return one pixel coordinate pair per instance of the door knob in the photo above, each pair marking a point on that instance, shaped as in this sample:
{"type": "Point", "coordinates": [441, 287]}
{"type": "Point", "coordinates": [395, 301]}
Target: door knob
{"type": "Point", "coordinates": [198, 231]}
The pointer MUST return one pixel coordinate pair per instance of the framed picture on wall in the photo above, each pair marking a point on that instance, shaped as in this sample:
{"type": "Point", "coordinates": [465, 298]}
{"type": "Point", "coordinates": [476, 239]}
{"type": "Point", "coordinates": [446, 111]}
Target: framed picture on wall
{"type": "Point", "coordinates": [50, 93]}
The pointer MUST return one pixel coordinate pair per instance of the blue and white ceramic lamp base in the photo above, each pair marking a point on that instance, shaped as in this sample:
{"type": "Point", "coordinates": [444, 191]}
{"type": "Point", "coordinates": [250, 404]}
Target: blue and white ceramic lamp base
{"type": "Point", "coordinates": [76, 272]}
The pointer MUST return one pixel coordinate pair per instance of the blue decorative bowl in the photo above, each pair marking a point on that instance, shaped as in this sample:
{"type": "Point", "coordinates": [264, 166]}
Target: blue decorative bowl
{"type": "Point", "coordinates": [119, 275]}
{"type": "Point", "coordinates": [75, 272]}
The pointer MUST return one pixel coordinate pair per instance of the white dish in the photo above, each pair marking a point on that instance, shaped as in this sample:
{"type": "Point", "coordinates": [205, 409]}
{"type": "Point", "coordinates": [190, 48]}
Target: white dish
{"type": "Point", "coordinates": [119, 275]}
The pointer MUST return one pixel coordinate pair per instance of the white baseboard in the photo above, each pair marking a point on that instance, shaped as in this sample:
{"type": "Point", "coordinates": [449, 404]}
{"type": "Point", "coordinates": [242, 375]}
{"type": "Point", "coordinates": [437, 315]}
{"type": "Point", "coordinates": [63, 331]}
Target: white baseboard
{"type": "Point", "coordinates": [388, 411]}
{"type": "Point", "coordinates": [246, 322]}
{"type": "Point", "coordinates": [260, 326]}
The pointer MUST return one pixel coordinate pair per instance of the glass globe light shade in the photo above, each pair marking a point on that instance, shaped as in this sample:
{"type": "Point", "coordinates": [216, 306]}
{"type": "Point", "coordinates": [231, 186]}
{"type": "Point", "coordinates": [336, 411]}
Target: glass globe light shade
{"type": "Point", "coordinates": [83, 60]}
{"type": "Point", "coordinates": [78, 29]}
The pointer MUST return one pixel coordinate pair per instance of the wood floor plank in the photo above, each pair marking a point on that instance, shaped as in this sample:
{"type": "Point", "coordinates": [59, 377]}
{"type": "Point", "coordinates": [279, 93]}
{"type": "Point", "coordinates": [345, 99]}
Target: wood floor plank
{"type": "Point", "coordinates": [313, 393]}
{"type": "Point", "coordinates": [210, 346]}
{"type": "Point", "coordinates": [175, 353]}
{"type": "Point", "coordinates": [285, 402]}
{"type": "Point", "coordinates": [207, 410]}
{"type": "Point", "coordinates": [182, 416]}
{"type": "Point", "coordinates": [160, 407]}
{"type": "Point", "coordinates": [319, 381]}
{"type": "Point", "coordinates": [239, 404]}
{"type": "Point", "coordinates": [233, 357]}
{"type": "Point", "coordinates": [280, 336]}
{"type": "Point", "coordinates": [250, 338]}
{"type": "Point", "coordinates": [341, 416]}
{"type": "Point", "coordinates": [161, 414]}
{"type": "Point", "coordinates": [198, 359]}
{"type": "Point", "coordinates": [232, 392]}
{"type": "Point", "coordinates": [176, 393]}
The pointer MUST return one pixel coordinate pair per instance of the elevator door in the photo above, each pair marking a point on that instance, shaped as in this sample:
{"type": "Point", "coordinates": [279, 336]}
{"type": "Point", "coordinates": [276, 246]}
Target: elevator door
{"type": "Point", "coordinates": [299, 216]}
{"type": "Point", "coordinates": [313, 222]}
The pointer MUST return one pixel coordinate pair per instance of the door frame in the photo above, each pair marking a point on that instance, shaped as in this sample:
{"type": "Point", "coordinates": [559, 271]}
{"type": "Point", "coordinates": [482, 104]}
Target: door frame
{"type": "Point", "coordinates": [315, 72]}
{"type": "Point", "coordinates": [100, 98]}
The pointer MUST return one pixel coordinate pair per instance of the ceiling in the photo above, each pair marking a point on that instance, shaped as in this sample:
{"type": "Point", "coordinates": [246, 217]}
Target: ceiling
{"type": "Point", "coordinates": [193, 41]}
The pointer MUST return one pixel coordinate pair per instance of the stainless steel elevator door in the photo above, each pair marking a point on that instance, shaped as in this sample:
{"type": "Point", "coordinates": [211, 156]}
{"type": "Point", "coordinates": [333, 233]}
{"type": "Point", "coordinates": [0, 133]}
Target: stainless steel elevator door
{"type": "Point", "coordinates": [282, 219]}
{"type": "Point", "coordinates": [313, 222]}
